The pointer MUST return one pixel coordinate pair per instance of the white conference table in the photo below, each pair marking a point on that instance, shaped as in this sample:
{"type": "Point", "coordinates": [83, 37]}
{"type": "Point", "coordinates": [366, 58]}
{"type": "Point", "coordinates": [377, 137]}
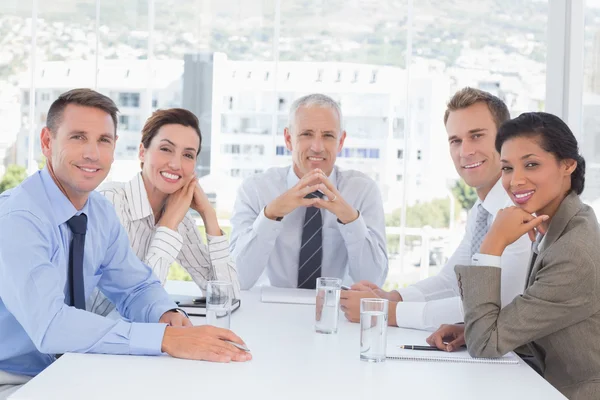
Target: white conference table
{"type": "Point", "coordinates": [290, 361]}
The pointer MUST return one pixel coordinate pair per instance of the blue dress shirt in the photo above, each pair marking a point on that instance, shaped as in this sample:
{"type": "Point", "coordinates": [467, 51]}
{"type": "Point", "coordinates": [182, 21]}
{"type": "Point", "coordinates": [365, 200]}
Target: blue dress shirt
{"type": "Point", "coordinates": [35, 322]}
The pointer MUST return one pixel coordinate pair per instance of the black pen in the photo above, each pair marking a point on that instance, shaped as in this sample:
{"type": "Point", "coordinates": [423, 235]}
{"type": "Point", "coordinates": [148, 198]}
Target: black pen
{"type": "Point", "coordinates": [417, 347]}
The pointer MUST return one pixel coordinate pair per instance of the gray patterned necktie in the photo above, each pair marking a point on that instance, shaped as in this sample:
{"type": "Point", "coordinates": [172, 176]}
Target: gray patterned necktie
{"type": "Point", "coordinates": [481, 229]}
{"type": "Point", "coordinates": [311, 250]}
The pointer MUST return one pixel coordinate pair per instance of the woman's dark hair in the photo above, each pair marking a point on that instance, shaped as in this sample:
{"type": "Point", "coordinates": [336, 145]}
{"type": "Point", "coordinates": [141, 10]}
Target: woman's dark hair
{"type": "Point", "coordinates": [555, 137]}
{"type": "Point", "coordinates": [177, 116]}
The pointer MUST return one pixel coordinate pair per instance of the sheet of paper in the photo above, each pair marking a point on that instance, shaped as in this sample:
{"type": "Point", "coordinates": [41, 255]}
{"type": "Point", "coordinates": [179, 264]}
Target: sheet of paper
{"type": "Point", "coordinates": [271, 294]}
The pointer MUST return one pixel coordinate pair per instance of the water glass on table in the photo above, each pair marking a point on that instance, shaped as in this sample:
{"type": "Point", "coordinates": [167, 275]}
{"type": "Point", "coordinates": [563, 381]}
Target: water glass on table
{"type": "Point", "coordinates": [328, 305]}
{"type": "Point", "coordinates": [373, 329]}
{"type": "Point", "coordinates": [219, 296]}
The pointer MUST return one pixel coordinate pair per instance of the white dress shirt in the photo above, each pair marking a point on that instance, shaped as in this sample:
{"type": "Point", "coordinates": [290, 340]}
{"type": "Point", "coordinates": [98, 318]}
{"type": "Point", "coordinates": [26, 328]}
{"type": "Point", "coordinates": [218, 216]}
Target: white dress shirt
{"type": "Point", "coordinates": [353, 251]}
{"type": "Point", "coordinates": [159, 246]}
{"type": "Point", "coordinates": [434, 301]}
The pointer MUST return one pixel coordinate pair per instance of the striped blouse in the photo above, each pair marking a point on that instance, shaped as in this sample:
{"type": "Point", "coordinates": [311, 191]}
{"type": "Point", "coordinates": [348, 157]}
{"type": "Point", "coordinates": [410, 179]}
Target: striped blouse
{"type": "Point", "coordinates": [159, 246]}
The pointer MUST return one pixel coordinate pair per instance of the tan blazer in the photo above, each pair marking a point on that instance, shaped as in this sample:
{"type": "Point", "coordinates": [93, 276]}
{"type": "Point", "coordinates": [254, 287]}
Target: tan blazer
{"type": "Point", "coordinates": [558, 315]}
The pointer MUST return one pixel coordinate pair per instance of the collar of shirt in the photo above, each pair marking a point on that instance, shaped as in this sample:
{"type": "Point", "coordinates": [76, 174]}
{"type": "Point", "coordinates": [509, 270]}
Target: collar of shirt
{"type": "Point", "coordinates": [293, 179]}
{"type": "Point", "coordinates": [142, 208]}
{"type": "Point", "coordinates": [539, 241]}
{"type": "Point", "coordinates": [495, 200]}
{"type": "Point", "coordinates": [62, 206]}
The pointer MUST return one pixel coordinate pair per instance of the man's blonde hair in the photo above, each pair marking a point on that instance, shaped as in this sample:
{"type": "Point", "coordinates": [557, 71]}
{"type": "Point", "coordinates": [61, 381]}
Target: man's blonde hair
{"type": "Point", "coordinates": [468, 96]}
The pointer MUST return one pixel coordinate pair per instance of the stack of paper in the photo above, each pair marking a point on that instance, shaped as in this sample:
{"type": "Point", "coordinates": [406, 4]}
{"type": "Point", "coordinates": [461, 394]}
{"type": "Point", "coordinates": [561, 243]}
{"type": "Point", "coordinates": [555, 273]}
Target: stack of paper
{"type": "Point", "coordinates": [460, 356]}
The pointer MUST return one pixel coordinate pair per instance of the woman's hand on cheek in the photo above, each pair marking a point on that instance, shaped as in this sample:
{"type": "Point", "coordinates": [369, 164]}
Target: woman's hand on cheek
{"type": "Point", "coordinates": [200, 202]}
{"type": "Point", "coordinates": [202, 205]}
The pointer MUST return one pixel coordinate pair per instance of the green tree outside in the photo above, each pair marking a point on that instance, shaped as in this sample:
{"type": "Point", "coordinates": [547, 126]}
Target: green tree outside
{"type": "Point", "coordinates": [435, 213]}
{"type": "Point", "coordinates": [15, 174]}
{"type": "Point", "coordinates": [465, 194]}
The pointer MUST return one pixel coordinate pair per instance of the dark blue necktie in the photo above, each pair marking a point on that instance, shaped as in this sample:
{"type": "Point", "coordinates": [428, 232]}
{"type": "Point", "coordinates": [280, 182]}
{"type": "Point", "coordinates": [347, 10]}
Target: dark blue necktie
{"type": "Point", "coordinates": [78, 226]}
{"type": "Point", "coordinates": [311, 250]}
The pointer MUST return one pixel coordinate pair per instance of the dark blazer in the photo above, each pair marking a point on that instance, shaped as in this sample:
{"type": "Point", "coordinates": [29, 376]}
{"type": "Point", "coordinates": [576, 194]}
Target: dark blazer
{"type": "Point", "coordinates": [558, 315]}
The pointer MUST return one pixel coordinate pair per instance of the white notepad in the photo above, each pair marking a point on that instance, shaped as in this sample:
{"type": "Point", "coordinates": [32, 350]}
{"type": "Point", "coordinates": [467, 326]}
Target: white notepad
{"type": "Point", "coordinates": [270, 294]}
{"type": "Point", "coordinates": [460, 356]}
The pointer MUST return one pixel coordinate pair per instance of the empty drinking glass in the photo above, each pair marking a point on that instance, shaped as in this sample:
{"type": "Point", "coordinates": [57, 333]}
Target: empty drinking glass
{"type": "Point", "coordinates": [373, 329]}
{"type": "Point", "coordinates": [328, 305]}
{"type": "Point", "coordinates": [219, 296]}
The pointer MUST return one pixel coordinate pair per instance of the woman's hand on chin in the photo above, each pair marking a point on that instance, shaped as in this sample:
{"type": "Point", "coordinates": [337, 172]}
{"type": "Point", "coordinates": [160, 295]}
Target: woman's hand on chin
{"type": "Point", "coordinates": [510, 224]}
{"type": "Point", "coordinates": [177, 206]}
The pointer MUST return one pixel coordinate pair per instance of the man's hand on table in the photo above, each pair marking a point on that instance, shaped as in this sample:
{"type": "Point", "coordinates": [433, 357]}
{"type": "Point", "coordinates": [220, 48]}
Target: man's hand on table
{"type": "Point", "coordinates": [203, 343]}
{"type": "Point", "coordinates": [350, 300]}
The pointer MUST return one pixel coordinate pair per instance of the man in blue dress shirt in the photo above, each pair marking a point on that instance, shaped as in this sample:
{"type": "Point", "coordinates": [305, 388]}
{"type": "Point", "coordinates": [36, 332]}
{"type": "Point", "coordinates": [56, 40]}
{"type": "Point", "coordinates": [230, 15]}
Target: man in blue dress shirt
{"type": "Point", "coordinates": [40, 283]}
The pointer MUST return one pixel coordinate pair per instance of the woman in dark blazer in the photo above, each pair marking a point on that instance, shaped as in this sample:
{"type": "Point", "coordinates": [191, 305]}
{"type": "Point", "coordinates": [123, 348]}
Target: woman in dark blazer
{"type": "Point", "coordinates": [558, 316]}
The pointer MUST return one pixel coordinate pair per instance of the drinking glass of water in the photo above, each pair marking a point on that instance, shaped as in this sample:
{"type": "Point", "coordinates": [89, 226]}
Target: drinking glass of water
{"type": "Point", "coordinates": [328, 305]}
{"type": "Point", "coordinates": [218, 303]}
{"type": "Point", "coordinates": [373, 329]}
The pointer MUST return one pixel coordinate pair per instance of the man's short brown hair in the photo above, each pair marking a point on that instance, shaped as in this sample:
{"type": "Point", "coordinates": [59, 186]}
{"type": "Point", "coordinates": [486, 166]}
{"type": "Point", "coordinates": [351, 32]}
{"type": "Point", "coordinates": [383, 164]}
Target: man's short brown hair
{"type": "Point", "coordinates": [80, 97]}
{"type": "Point", "coordinates": [468, 96]}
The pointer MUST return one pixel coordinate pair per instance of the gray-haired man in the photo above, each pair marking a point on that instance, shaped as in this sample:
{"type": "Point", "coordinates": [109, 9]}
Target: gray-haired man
{"type": "Point", "coordinates": [310, 219]}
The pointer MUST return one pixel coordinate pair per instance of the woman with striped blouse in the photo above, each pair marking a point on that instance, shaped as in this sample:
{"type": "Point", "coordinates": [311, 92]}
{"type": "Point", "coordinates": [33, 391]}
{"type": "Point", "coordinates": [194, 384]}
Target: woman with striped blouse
{"type": "Point", "coordinates": [154, 207]}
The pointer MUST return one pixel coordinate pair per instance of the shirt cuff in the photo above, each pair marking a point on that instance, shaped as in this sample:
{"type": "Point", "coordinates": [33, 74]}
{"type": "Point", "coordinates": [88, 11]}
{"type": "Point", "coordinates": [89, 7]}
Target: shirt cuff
{"type": "Point", "coordinates": [411, 293]}
{"type": "Point", "coordinates": [167, 241]}
{"type": "Point", "coordinates": [216, 239]}
{"type": "Point", "coordinates": [485, 260]}
{"type": "Point", "coordinates": [146, 339]}
{"type": "Point", "coordinates": [159, 308]}
{"type": "Point", "coordinates": [218, 247]}
{"type": "Point", "coordinates": [265, 227]}
{"type": "Point", "coordinates": [410, 315]}
{"type": "Point", "coordinates": [354, 232]}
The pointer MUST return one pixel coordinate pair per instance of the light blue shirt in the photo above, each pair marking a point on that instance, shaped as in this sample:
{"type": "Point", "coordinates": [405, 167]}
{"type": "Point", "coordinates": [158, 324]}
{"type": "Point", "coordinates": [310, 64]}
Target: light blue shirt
{"type": "Point", "coordinates": [352, 252]}
{"type": "Point", "coordinates": [35, 322]}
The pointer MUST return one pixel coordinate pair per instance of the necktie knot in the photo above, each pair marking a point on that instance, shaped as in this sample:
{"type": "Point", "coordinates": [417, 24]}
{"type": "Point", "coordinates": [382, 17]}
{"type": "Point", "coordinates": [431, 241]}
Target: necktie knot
{"type": "Point", "coordinates": [78, 224]}
{"type": "Point", "coordinates": [482, 215]}
{"type": "Point", "coordinates": [314, 194]}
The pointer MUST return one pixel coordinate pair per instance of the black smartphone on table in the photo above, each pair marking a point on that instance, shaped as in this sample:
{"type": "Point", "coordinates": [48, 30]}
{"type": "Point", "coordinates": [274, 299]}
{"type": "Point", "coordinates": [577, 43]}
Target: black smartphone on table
{"type": "Point", "coordinates": [197, 307]}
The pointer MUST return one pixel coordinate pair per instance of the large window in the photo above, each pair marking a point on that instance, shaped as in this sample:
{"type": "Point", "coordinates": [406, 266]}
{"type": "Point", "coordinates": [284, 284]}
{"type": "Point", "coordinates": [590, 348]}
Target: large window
{"type": "Point", "coordinates": [494, 45]}
{"type": "Point", "coordinates": [225, 76]}
{"type": "Point", "coordinates": [590, 137]}
{"type": "Point", "coordinates": [239, 65]}
{"type": "Point", "coordinates": [15, 39]}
